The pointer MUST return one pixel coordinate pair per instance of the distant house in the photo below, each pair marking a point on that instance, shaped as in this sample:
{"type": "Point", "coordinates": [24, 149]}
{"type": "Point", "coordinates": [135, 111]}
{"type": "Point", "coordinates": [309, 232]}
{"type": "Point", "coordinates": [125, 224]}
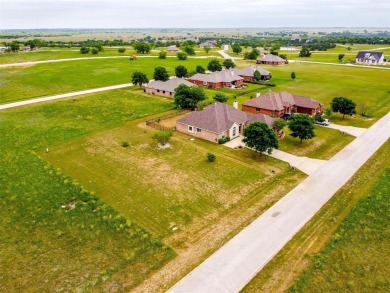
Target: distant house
{"type": "Point", "coordinates": [271, 60]}
{"type": "Point", "coordinates": [165, 88]}
{"type": "Point", "coordinates": [247, 73]}
{"type": "Point", "coordinates": [218, 79]}
{"type": "Point", "coordinates": [373, 58]}
{"type": "Point", "coordinates": [172, 48]}
{"type": "Point", "coordinates": [278, 104]}
{"type": "Point", "coordinates": [210, 44]}
{"type": "Point", "coordinates": [218, 121]}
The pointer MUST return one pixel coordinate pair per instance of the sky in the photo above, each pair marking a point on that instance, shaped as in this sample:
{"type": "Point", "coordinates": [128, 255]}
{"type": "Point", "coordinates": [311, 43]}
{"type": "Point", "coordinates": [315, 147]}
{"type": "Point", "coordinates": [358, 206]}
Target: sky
{"type": "Point", "coordinates": [30, 14]}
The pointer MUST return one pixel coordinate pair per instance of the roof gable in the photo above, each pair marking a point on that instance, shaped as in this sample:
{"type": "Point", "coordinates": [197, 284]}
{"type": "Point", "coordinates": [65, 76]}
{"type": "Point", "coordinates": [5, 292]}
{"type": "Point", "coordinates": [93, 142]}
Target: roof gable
{"type": "Point", "coordinates": [169, 85]}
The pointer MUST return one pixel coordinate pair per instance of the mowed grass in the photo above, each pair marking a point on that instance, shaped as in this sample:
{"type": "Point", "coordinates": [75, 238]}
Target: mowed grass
{"type": "Point", "coordinates": [56, 235]}
{"type": "Point", "coordinates": [324, 82]}
{"type": "Point", "coordinates": [20, 83]}
{"type": "Point", "coordinates": [324, 145]}
{"type": "Point", "coordinates": [345, 246]}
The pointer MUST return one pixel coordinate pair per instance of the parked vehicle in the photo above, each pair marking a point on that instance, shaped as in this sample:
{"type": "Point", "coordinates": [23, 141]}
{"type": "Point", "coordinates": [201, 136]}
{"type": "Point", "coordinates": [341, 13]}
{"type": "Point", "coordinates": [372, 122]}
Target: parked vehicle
{"type": "Point", "coordinates": [325, 122]}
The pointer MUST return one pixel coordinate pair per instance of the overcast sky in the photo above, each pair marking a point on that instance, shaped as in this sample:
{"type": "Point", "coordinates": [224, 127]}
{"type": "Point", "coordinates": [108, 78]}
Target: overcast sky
{"type": "Point", "coordinates": [193, 13]}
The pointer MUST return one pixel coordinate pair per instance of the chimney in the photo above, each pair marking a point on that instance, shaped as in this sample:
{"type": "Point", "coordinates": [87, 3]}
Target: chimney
{"type": "Point", "coordinates": [258, 94]}
{"type": "Point", "coordinates": [235, 105]}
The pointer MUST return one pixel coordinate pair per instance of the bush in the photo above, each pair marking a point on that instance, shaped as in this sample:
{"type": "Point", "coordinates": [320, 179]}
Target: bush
{"type": "Point", "coordinates": [223, 140]}
{"type": "Point", "coordinates": [95, 51]}
{"type": "Point", "coordinates": [84, 50]}
{"type": "Point", "coordinates": [220, 97]}
{"type": "Point", "coordinates": [211, 157]}
{"type": "Point", "coordinates": [122, 50]}
{"type": "Point", "coordinates": [181, 56]}
{"type": "Point", "coordinates": [162, 55]}
{"type": "Point", "coordinates": [125, 144]}
{"type": "Point", "coordinates": [162, 137]}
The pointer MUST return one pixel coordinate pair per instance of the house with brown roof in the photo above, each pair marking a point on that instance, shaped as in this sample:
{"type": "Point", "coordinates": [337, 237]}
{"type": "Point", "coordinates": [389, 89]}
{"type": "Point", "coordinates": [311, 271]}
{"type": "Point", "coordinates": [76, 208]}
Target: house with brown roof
{"type": "Point", "coordinates": [218, 121]}
{"type": "Point", "coordinates": [218, 79]}
{"type": "Point", "coordinates": [271, 60]}
{"type": "Point", "coordinates": [165, 88]}
{"type": "Point", "coordinates": [247, 73]}
{"type": "Point", "coordinates": [278, 104]}
{"type": "Point", "coordinates": [172, 48]}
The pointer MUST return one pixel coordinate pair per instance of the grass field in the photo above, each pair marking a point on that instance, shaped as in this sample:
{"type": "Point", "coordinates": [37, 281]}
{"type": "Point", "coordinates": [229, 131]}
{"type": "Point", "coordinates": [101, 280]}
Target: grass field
{"type": "Point", "coordinates": [19, 83]}
{"type": "Point", "coordinates": [324, 145]}
{"type": "Point", "coordinates": [354, 258]}
{"type": "Point", "coordinates": [56, 235]}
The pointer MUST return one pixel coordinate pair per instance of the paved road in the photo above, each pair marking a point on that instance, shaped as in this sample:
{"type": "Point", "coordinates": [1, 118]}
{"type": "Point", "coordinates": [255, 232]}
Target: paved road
{"type": "Point", "coordinates": [238, 261]}
{"type": "Point", "coordinates": [62, 96]}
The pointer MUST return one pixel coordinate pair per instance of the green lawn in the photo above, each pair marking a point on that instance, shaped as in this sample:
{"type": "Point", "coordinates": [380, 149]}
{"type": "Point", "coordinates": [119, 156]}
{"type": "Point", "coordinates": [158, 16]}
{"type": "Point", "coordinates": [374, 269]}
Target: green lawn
{"type": "Point", "coordinates": [324, 145]}
{"type": "Point", "coordinates": [56, 235]}
{"type": "Point", "coordinates": [353, 228]}
{"type": "Point", "coordinates": [324, 82]}
{"type": "Point", "coordinates": [20, 83]}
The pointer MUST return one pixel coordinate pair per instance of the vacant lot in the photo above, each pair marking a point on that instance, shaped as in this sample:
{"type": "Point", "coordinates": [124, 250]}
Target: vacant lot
{"type": "Point", "coordinates": [353, 228]}
{"type": "Point", "coordinates": [19, 83]}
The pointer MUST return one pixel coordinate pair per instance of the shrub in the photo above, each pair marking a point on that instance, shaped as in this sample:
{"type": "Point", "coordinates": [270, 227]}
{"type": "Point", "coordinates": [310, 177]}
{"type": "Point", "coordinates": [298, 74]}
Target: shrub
{"type": "Point", "coordinates": [125, 144]}
{"type": "Point", "coordinates": [181, 56]}
{"type": "Point", "coordinates": [162, 55]}
{"type": "Point", "coordinates": [211, 157]}
{"type": "Point", "coordinates": [162, 137]}
{"type": "Point", "coordinates": [220, 97]}
{"type": "Point", "coordinates": [223, 140]}
{"type": "Point", "coordinates": [95, 51]}
{"type": "Point", "coordinates": [122, 50]}
{"type": "Point", "coordinates": [84, 50]}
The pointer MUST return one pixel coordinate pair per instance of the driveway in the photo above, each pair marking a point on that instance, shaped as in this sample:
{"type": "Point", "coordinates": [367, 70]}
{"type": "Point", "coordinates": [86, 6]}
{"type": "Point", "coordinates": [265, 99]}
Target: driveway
{"type": "Point", "coordinates": [231, 267]}
{"type": "Point", "coordinates": [355, 131]}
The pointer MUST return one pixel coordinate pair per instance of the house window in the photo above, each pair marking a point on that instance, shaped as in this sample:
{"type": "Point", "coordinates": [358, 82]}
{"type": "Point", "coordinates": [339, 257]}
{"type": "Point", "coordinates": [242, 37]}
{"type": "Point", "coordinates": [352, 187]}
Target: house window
{"type": "Point", "coordinates": [223, 134]}
{"type": "Point", "coordinates": [170, 94]}
{"type": "Point", "coordinates": [190, 129]}
{"type": "Point", "coordinates": [158, 91]}
{"type": "Point", "coordinates": [257, 109]}
{"type": "Point", "coordinates": [198, 130]}
{"type": "Point", "coordinates": [205, 83]}
{"type": "Point", "coordinates": [163, 92]}
{"type": "Point", "coordinates": [234, 131]}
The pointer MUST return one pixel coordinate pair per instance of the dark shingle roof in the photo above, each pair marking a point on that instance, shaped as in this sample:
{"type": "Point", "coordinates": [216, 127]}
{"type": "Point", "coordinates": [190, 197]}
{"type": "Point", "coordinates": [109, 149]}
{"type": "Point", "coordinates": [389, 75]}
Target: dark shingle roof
{"type": "Point", "coordinates": [271, 58]}
{"type": "Point", "coordinates": [369, 55]}
{"type": "Point", "coordinates": [169, 85]}
{"type": "Point", "coordinates": [227, 75]}
{"type": "Point", "coordinates": [249, 70]}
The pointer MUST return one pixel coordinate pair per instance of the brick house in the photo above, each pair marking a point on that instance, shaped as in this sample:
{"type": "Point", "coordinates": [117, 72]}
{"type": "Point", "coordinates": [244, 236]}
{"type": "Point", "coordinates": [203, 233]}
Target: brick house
{"type": "Point", "coordinates": [172, 48]}
{"type": "Point", "coordinates": [165, 88]}
{"type": "Point", "coordinates": [271, 60]}
{"type": "Point", "coordinates": [247, 73]}
{"type": "Point", "coordinates": [218, 79]}
{"type": "Point", "coordinates": [373, 58]}
{"type": "Point", "coordinates": [217, 121]}
{"type": "Point", "coordinates": [278, 104]}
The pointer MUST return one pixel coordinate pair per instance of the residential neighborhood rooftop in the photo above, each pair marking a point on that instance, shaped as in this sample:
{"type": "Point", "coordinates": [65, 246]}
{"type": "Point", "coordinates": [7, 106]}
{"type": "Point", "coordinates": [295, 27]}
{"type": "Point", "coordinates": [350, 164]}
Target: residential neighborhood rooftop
{"type": "Point", "coordinates": [169, 85]}
{"type": "Point", "coordinates": [227, 75]}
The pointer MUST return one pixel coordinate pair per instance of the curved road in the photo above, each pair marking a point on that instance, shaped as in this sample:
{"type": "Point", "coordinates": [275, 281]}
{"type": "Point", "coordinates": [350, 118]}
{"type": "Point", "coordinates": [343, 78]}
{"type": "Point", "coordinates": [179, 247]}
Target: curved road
{"type": "Point", "coordinates": [230, 268]}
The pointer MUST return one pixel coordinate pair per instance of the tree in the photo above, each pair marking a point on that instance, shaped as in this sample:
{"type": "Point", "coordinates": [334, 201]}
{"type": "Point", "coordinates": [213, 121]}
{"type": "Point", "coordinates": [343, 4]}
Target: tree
{"type": "Point", "coordinates": [362, 108]}
{"type": "Point", "coordinates": [279, 124]}
{"type": "Point", "coordinates": [122, 50]}
{"type": "Point", "coordinates": [84, 50]}
{"type": "Point", "coordinates": [293, 75]}
{"type": "Point", "coordinates": [214, 65]}
{"type": "Point", "coordinates": [162, 137]}
{"type": "Point", "coordinates": [211, 157]}
{"type": "Point", "coordinates": [220, 97]}
{"type": "Point", "coordinates": [141, 47]}
{"type": "Point", "coordinates": [301, 126]}
{"type": "Point", "coordinates": [160, 73]}
{"type": "Point", "coordinates": [341, 56]}
{"type": "Point", "coordinates": [343, 106]}
{"type": "Point", "coordinates": [181, 56]}
{"type": "Point", "coordinates": [260, 137]}
{"type": "Point", "coordinates": [228, 63]}
{"type": "Point", "coordinates": [200, 69]}
{"type": "Point", "coordinates": [207, 49]}
{"type": "Point", "coordinates": [14, 46]}
{"type": "Point", "coordinates": [236, 48]}
{"type": "Point", "coordinates": [257, 75]}
{"type": "Point", "coordinates": [181, 71]}
{"type": "Point", "coordinates": [162, 55]}
{"type": "Point", "coordinates": [328, 112]}
{"type": "Point", "coordinates": [188, 97]}
{"type": "Point", "coordinates": [283, 56]}
{"type": "Point", "coordinates": [305, 52]}
{"type": "Point", "coordinates": [349, 48]}
{"type": "Point", "coordinates": [139, 78]}
{"type": "Point", "coordinates": [252, 55]}
{"type": "Point", "coordinates": [189, 50]}
{"type": "Point", "coordinates": [95, 51]}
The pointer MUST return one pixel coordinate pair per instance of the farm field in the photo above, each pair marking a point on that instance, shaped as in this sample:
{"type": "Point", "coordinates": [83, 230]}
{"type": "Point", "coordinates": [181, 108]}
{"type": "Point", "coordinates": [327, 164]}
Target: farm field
{"type": "Point", "coordinates": [20, 83]}
{"type": "Point", "coordinates": [342, 248]}
{"type": "Point", "coordinates": [56, 235]}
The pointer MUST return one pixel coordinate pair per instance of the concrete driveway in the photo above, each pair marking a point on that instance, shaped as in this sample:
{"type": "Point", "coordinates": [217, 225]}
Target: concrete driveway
{"type": "Point", "coordinates": [352, 130]}
{"type": "Point", "coordinates": [230, 268]}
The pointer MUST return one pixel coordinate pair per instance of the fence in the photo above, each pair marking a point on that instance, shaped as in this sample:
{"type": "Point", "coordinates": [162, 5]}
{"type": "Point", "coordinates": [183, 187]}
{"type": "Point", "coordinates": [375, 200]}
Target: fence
{"type": "Point", "coordinates": [155, 123]}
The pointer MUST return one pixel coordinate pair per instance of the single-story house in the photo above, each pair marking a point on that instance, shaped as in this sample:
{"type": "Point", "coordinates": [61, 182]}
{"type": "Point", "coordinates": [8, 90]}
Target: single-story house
{"type": "Point", "coordinates": [218, 79]}
{"type": "Point", "coordinates": [271, 60]}
{"type": "Point", "coordinates": [218, 121]}
{"type": "Point", "coordinates": [165, 88]}
{"type": "Point", "coordinates": [247, 73]}
{"type": "Point", "coordinates": [172, 48]}
{"type": "Point", "coordinates": [281, 103]}
{"type": "Point", "coordinates": [373, 58]}
{"type": "Point", "coordinates": [210, 44]}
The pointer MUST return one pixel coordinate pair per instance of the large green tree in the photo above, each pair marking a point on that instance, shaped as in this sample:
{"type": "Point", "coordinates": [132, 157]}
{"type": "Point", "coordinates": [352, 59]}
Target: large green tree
{"type": "Point", "coordinates": [260, 137]}
{"type": "Point", "coordinates": [200, 69]}
{"type": "Point", "coordinates": [343, 106]}
{"type": "Point", "coordinates": [187, 97]}
{"type": "Point", "coordinates": [189, 50]}
{"type": "Point", "coordinates": [236, 48]}
{"type": "Point", "coordinates": [305, 52]}
{"type": "Point", "coordinates": [160, 73]}
{"type": "Point", "coordinates": [139, 78]}
{"type": "Point", "coordinates": [220, 97]}
{"type": "Point", "coordinates": [14, 46]}
{"type": "Point", "coordinates": [301, 126]}
{"type": "Point", "coordinates": [142, 47]}
{"type": "Point", "coordinates": [181, 71]}
{"type": "Point", "coordinates": [214, 65]}
{"type": "Point", "coordinates": [228, 63]}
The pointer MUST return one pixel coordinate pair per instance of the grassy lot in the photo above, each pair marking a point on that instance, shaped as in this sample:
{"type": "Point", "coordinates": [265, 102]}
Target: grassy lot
{"type": "Point", "coordinates": [19, 83]}
{"type": "Point", "coordinates": [325, 145]}
{"type": "Point", "coordinates": [324, 82]}
{"type": "Point", "coordinates": [353, 228]}
{"type": "Point", "coordinates": [56, 235]}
